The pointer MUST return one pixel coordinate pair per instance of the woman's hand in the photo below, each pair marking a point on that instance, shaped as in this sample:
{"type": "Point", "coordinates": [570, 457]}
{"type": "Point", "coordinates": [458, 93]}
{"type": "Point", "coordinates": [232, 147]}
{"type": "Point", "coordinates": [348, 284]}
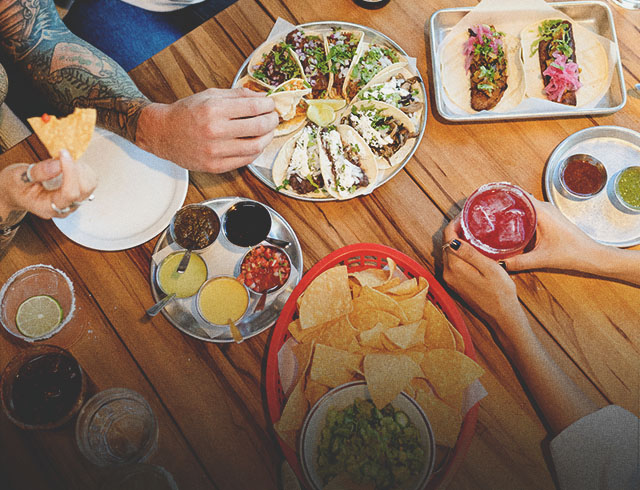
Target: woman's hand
{"type": "Point", "coordinates": [21, 187]}
{"type": "Point", "coordinates": [479, 280]}
{"type": "Point", "coordinates": [212, 131]}
{"type": "Point", "coordinates": [559, 244]}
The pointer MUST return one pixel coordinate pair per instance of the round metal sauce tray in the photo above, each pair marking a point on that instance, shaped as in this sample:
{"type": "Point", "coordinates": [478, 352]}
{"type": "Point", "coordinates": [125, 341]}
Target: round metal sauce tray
{"type": "Point", "coordinates": [223, 257]}
{"type": "Point", "coordinates": [602, 217]}
{"type": "Point", "coordinates": [271, 151]}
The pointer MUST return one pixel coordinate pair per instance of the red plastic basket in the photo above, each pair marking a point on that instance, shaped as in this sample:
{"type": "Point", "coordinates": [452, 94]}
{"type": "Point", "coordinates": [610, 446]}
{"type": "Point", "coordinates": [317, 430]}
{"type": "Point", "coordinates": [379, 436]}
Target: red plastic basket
{"type": "Point", "coordinates": [358, 257]}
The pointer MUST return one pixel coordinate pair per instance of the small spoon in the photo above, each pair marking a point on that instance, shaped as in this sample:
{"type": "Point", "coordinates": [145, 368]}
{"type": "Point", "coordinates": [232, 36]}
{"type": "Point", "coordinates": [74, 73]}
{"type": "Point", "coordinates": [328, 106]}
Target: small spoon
{"type": "Point", "coordinates": [157, 308]}
{"type": "Point", "coordinates": [184, 263]}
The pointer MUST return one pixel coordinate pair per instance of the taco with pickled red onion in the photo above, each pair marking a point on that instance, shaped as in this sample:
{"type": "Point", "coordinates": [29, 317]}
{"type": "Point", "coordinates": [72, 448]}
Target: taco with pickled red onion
{"type": "Point", "coordinates": [274, 63]}
{"type": "Point", "coordinates": [373, 59]}
{"type": "Point", "coordinates": [297, 166]}
{"type": "Point", "coordinates": [343, 47]}
{"type": "Point", "coordinates": [310, 49]}
{"type": "Point", "coordinates": [564, 63]}
{"type": "Point", "coordinates": [387, 130]}
{"type": "Point", "coordinates": [402, 91]}
{"type": "Point", "coordinates": [348, 165]}
{"type": "Point", "coordinates": [288, 101]}
{"type": "Point", "coordinates": [481, 70]}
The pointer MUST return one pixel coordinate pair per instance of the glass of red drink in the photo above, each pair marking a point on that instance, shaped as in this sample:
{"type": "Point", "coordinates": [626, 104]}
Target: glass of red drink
{"type": "Point", "coordinates": [499, 220]}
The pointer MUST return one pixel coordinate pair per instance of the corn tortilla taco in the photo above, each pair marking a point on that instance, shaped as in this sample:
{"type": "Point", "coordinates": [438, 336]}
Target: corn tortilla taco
{"type": "Point", "coordinates": [343, 48]}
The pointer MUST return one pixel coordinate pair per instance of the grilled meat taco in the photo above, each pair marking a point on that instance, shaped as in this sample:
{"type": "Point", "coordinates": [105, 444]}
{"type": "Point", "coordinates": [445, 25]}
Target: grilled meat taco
{"type": "Point", "coordinates": [309, 47]}
{"type": "Point", "coordinates": [297, 166]}
{"type": "Point", "coordinates": [385, 129]}
{"type": "Point", "coordinates": [373, 59]}
{"type": "Point", "coordinates": [481, 70]}
{"type": "Point", "coordinates": [571, 66]}
{"type": "Point", "coordinates": [288, 100]}
{"type": "Point", "coordinates": [402, 91]}
{"type": "Point", "coordinates": [348, 166]}
{"type": "Point", "coordinates": [342, 48]}
{"type": "Point", "coordinates": [273, 63]}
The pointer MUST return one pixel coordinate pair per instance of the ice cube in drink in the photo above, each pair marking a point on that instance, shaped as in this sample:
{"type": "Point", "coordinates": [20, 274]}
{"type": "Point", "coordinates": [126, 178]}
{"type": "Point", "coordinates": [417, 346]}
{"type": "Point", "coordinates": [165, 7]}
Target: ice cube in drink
{"type": "Point", "coordinates": [499, 220]}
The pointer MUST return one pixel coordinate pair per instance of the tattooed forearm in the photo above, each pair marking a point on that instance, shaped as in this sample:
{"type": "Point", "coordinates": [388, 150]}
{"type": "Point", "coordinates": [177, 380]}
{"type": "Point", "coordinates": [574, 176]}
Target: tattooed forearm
{"type": "Point", "coordinates": [71, 72]}
{"type": "Point", "coordinates": [9, 226]}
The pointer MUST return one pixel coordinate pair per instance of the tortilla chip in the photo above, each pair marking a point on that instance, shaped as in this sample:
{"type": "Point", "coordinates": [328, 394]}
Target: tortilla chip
{"type": "Point", "coordinates": [449, 371]}
{"type": "Point", "coordinates": [416, 356]}
{"type": "Point", "coordinates": [333, 367]}
{"type": "Point", "coordinates": [458, 338]}
{"type": "Point", "coordinates": [387, 375]}
{"type": "Point", "coordinates": [294, 411]}
{"type": "Point", "coordinates": [390, 284]}
{"type": "Point", "coordinates": [327, 297]}
{"type": "Point", "coordinates": [370, 299]}
{"type": "Point", "coordinates": [406, 336]}
{"type": "Point", "coordinates": [288, 436]}
{"type": "Point", "coordinates": [314, 391]}
{"type": "Point", "coordinates": [438, 335]}
{"type": "Point", "coordinates": [373, 337]}
{"type": "Point", "coordinates": [413, 308]}
{"type": "Point", "coordinates": [371, 277]}
{"type": "Point", "coordinates": [364, 319]}
{"type": "Point", "coordinates": [303, 354]}
{"type": "Point", "coordinates": [444, 420]}
{"type": "Point", "coordinates": [72, 132]}
{"type": "Point", "coordinates": [338, 333]}
{"type": "Point", "coordinates": [304, 335]}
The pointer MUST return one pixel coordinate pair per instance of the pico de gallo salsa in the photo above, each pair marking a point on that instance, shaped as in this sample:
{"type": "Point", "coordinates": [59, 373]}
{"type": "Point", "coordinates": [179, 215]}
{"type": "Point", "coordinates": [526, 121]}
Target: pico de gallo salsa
{"type": "Point", "coordinates": [264, 268]}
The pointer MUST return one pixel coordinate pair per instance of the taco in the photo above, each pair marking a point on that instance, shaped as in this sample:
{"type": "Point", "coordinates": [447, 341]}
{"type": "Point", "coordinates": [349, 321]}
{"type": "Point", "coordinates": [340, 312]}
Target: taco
{"type": "Point", "coordinates": [402, 91]}
{"type": "Point", "coordinates": [564, 63]}
{"type": "Point", "coordinates": [481, 70]}
{"type": "Point", "coordinates": [297, 166]}
{"type": "Point", "coordinates": [348, 166]}
{"type": "Point", "coordinates": [373, 60]}
{"type": "Point", "coordinates": [309, 47]}
{"type": "Point", "coordinates": [342, 48]}
{"type": "Point", "coordinates": [273, 63]}
{"type": "Point", "coordinates": [385, 129]}
{"type": "Point", "coordinates": [288, 100]}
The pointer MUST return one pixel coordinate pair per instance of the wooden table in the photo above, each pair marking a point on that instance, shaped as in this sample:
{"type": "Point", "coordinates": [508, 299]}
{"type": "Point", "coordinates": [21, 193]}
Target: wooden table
{"type": "Point", "coordinates": [209, 398]}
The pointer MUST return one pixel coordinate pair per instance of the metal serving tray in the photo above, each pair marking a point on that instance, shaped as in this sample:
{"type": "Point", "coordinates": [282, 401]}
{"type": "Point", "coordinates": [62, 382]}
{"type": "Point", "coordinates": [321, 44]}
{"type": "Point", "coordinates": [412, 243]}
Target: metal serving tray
{"type": "Point", "coordinates": [595, 16]}
{"type": "Point", "coordinates": [264, 174]}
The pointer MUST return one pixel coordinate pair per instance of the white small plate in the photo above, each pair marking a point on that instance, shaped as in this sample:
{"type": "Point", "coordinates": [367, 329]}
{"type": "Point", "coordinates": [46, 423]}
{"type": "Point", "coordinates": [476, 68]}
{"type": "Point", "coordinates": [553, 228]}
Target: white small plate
{"type": "Point", "coordinates": [340, 398]}
{"type": "Point", "coordinates": [136, 197]}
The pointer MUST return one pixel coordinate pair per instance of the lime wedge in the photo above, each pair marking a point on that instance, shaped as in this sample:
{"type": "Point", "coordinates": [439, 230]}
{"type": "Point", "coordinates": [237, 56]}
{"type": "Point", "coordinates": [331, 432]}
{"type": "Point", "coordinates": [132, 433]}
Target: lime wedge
{"type": "Point", "coordinates": [38, 315]}
{"type": "Point", "coordinates": [321, 114]}
{"type": "Point", "coordinates": [335, 104]}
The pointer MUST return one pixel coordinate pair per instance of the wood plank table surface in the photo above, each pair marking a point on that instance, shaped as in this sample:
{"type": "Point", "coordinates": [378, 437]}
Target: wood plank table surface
{"type": "Point", "coordinates": [210, 398]}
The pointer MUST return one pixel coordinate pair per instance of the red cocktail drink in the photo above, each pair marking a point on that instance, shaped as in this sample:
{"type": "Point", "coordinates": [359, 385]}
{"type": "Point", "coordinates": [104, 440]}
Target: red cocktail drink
{"type": "Point", "coordinates": [499, 220]}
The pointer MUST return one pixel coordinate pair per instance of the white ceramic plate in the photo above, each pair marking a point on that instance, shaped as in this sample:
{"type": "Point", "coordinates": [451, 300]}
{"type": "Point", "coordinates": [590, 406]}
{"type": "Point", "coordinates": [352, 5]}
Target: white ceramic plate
{"type": "Point", "coordinates": [136, 197]}
{"type": "Point", "coordinates": [340, 398]}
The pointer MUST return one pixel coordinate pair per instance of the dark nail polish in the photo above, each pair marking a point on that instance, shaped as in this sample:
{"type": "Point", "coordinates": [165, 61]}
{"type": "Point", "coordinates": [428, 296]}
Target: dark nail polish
{"type": "Point", "coordinates": [455, 244]}
{"type": "Point", "coordinates": [502, 264]}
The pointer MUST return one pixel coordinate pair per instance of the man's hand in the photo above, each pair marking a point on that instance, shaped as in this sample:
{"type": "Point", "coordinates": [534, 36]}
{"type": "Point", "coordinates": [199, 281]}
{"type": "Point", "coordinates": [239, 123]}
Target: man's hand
{"type": "Point", "coordinates": [213, 131]}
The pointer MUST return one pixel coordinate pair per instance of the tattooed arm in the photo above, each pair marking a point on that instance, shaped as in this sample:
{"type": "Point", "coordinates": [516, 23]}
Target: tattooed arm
{"type": "Point", "coordinates": [69, 71]}
{"type": "Point", "coordinates": [215, 130]}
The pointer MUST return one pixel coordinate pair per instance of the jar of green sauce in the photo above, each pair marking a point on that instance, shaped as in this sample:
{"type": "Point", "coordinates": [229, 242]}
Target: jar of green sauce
{"type": "Point", "coordinates": [628, 188]}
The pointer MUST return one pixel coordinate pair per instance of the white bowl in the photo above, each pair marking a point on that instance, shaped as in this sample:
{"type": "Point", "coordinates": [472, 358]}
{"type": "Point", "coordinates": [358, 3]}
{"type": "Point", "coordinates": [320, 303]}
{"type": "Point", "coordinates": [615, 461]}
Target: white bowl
{"type": "Point", "coordinates": [340, 398]}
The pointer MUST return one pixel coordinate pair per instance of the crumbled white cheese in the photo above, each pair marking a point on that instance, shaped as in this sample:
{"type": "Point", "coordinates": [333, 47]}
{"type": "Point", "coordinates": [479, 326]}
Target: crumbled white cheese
{"type": "Point", "coordinates": [373, 137]}
{"type": "Point", "coordinates": [299, 160]}
{"type": "Point", "coordinates": [347, 174]}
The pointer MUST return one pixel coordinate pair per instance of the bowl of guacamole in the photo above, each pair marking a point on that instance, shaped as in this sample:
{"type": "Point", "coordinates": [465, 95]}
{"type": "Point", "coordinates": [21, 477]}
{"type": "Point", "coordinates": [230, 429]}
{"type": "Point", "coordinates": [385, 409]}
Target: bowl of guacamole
{"type": "Point", "coordinates": [348, 443]}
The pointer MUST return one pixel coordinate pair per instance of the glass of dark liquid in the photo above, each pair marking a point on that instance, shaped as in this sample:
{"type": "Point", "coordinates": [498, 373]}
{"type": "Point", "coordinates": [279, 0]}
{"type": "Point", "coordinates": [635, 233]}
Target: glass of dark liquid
{"type": "Point", "coordinates": [43, 387]}
{"type": "Point", "coordinates": [371, 4]}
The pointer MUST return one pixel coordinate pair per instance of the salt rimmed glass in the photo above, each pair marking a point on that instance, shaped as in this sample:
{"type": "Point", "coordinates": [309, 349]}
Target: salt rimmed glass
{"type": "Point", "coordinates": [35, 280]}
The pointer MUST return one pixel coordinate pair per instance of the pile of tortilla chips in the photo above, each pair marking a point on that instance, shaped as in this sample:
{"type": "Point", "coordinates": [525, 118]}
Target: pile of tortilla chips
{"type": "Point", "coordinates": [72, 132]}
{"type": "Point", "coordinates": [377, 326]}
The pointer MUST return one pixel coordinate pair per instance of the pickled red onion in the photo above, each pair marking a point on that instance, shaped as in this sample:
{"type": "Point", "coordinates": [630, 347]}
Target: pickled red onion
{"type": "Point", "coordinates": [563, 76]}
{"type": "Point", "coordinates": [481, 31]}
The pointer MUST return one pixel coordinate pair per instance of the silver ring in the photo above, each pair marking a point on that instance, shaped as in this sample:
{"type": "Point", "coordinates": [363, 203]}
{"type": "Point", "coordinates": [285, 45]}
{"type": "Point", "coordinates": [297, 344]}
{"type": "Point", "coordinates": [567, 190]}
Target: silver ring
{"type": "Point", "coordinates": [75, 204]}
{"type": "Point", "coordinates": [29, 178]}
{"type": "Point", "coordinates": [446, 246]}
{"type": "Point", "coordinates": [90, 198]}
{"type": "Point", "coordinates": [60, 211]}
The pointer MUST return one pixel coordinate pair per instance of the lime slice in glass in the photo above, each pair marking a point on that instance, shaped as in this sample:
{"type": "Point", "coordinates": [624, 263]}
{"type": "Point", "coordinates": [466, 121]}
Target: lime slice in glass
{"type": "Point", "coordinates": [321, 114]}
{"type": "Point", "coordinates": [38, 316]}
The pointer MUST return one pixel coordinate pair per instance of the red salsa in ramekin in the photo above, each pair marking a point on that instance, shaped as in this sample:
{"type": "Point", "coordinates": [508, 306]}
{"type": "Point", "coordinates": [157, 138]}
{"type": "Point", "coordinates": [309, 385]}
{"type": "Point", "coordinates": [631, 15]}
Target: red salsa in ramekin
{"type": "Point", "coordinates": [265, 268]}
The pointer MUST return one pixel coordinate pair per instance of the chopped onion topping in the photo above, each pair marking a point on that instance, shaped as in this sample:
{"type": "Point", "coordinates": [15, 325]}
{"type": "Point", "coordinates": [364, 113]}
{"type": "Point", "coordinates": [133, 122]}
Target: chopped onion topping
{"type": "Point", "coordinates": [563, 77]}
